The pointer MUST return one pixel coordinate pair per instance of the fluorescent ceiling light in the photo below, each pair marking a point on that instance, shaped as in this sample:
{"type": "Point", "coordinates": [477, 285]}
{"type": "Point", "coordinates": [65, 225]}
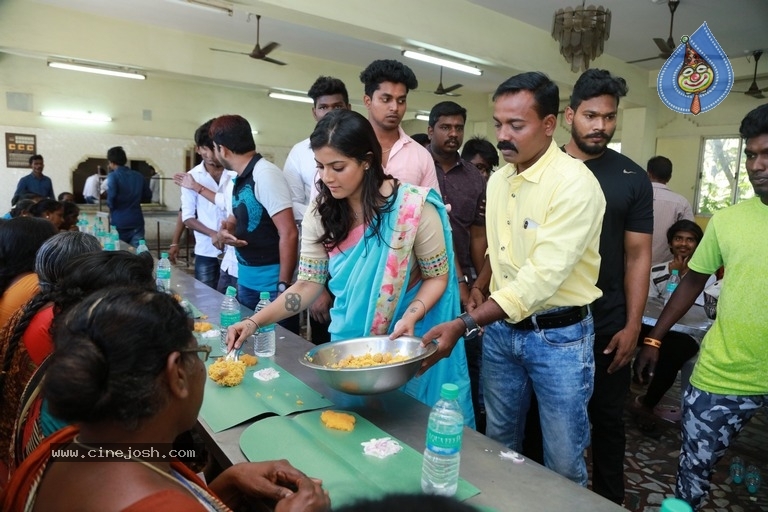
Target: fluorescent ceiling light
{"type": "Point", "coordinates": [77, 116]}
{"type": "Point", "coordinates": [442, 62]}
{"type": "Point", "coordinates": [255, 132]}
{"type": "Point", "coordinates": [422, 117]}
{"type": "Point", "coordinates": [88, 68]}
{"type": "Point", "coordinates": [290, 97]}
{"type": "Point", "coordinates": [214, 5]}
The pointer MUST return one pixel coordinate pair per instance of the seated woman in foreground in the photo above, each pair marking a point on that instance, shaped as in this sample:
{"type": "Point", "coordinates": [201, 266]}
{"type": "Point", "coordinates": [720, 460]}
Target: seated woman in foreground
{"type": "Point", "coordinates": [127, 370]}
{"type": "Point", "coordinates": [387, 248]}
{"type": "Point", "coordinates": [677, 347]}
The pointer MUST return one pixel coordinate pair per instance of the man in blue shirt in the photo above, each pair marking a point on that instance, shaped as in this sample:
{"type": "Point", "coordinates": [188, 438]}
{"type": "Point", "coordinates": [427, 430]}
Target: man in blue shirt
{"type": "Point", "coordinates": [126, 190]}
{"type": "Point", "coordinates": [34, 182]}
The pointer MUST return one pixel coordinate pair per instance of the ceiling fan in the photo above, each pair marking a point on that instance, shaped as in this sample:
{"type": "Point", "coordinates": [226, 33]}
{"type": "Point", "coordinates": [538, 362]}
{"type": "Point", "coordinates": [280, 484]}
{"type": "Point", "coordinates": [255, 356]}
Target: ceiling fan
{"type": "Point", "coordinates": [666, 47]}
{"type": "Point", "coordinates": [447, 91]}
{"type": "Point", "coordinates": [755, 91]}
{"type": "Point", "coordinates": [258, 52]}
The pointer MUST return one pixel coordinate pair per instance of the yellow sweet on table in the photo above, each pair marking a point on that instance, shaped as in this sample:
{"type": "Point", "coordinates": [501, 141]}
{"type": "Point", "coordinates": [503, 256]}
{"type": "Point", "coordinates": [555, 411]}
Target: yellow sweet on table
{"type": "Point", "coordinates": [249, 360]}
{"type": "Point", "coordinates": [203, 326]}
{"type": "Point", "coordinates": [338, 420]}
{"type": "Point", "coordinates": [226, 372]}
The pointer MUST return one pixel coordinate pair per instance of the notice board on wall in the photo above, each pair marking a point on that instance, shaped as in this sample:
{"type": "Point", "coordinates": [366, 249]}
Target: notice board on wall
{"type": "Point", "coordinates": [18, 148]}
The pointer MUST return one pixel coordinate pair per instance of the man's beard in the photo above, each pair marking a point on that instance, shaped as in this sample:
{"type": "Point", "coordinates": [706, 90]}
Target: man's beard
{"type": "Point", "coordinates": [592, 148]}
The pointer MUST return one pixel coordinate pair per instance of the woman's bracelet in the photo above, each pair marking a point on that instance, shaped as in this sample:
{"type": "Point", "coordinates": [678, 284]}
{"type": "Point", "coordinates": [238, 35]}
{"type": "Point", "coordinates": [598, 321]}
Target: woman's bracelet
{"type": "Point", "coordinates": [422, 305]}
{"type": "Point", "coordinates": [478, 289]}
{"type": "Point", "coordinates": [258, 327]}
{"type": "Point", "coordinates": [653, 342]}
{"type": "Point", "coordinates": [173, 245]}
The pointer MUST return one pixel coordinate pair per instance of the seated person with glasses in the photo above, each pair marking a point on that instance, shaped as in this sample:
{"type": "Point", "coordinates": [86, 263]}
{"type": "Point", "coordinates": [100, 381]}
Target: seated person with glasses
{"type": "Point", "coordinates": [126, 370]}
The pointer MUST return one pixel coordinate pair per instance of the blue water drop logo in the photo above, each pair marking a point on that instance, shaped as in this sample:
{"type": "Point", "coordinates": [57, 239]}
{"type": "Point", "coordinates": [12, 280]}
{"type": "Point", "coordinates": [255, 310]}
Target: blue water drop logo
{"type": "Point", "coordinates": [697, 76]}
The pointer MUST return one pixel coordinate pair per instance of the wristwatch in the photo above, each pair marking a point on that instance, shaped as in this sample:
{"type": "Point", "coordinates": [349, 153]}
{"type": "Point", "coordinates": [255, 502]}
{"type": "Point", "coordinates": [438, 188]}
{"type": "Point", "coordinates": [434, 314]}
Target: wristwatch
{"type": "Point", "coordinates": [282, 286]}
{"type": "Point", "coordinates": [464, 279]}
{"type": "Point", "coordinates": [472, 329]}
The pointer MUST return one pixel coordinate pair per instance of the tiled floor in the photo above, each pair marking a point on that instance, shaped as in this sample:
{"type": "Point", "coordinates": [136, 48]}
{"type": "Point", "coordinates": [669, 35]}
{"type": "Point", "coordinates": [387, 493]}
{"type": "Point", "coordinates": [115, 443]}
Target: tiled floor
{"type": "Point", "coordinates": [651, 465]}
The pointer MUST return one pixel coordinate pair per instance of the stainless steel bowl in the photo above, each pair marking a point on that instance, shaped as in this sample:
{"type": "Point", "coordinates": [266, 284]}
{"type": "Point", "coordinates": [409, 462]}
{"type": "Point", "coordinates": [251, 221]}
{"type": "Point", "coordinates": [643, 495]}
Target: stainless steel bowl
{"type": "Point", "coordinates": [372, 379]}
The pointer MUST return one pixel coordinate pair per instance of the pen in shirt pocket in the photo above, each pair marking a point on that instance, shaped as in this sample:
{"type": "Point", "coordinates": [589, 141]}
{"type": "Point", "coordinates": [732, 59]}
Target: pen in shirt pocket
{"type": "Point", "coordinates": [530, 224]}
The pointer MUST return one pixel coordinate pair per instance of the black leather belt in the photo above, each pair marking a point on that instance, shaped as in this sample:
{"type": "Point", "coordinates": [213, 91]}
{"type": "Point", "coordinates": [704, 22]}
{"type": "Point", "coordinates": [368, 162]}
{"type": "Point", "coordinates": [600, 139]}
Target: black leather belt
{"type": "Point", "coordinates": [553, 320]}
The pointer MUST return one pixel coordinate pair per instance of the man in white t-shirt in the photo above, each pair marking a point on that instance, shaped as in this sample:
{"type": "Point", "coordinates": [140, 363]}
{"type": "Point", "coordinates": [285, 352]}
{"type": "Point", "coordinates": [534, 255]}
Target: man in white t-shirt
{"type": "Point", "coordinates": [92, 187]}
{"type": "Point", "coordinates": [300, 170]}
{"type": "Point", "coordinates": [668, 207]}
{"type": "Point", "coordinates": [201, 215]}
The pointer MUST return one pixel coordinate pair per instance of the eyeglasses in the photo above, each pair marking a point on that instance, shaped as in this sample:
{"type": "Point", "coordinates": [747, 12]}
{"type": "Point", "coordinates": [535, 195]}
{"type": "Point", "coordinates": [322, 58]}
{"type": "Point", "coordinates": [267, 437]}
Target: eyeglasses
{"type": "Point", "coordinates": [483, 168]}
{"type": "Point", "coordinates": [203, 351]}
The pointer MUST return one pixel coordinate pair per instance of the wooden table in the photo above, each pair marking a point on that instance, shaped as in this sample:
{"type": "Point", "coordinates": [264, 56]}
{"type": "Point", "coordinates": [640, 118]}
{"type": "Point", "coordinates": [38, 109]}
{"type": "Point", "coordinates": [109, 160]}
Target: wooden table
{"type": "Point", "coordinates": [504, 485]}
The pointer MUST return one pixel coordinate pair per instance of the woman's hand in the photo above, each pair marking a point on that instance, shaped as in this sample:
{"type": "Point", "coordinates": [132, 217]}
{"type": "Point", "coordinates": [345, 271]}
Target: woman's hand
{"type": "Point", "coordinates": [404, 326]}
{"type": "Point", "coordinates": [275, 480]}
{"type": "Point", "coordinates": [309, 497]}
{"type": "Point", "coordinates": [239, 332]}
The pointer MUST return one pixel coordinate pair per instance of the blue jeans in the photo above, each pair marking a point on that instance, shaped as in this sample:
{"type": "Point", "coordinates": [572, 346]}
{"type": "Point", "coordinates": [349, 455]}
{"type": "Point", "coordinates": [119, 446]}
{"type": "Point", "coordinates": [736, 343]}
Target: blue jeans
{"type": "Point", "coordinates": [225, 280]}
{"type": "Point", "coordinates": [250, 298]}
{"type": "Point", "coordinates": [207, 270]}
{"type": "Point", "coordinates": [131, 235]}
{"type": "Point", "coordinates": [558, 364]}
{"type": "Point", "coordinates": [709, 425]}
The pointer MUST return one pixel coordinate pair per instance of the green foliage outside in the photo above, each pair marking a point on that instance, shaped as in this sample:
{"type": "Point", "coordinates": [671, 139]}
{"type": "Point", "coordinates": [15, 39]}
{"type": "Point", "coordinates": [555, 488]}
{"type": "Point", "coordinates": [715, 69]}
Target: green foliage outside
{"type": "Point", "coordinates": [722, 180]}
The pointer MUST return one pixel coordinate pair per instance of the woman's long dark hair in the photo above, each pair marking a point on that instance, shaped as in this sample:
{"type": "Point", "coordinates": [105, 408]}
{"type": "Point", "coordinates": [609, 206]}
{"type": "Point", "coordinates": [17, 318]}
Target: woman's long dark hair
{"type": "Point", "coordinates": [109, 351]}
{"type": "Point", "coordinates": [20, 238]}
{"type": "Point", "coordinates": [350, 134]}
{"type": "Point", "coordinates": [51, 259]}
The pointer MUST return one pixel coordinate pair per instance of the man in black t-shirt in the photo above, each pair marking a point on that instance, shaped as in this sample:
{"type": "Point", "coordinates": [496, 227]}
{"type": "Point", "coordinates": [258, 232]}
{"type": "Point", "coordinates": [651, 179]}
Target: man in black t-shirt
{"type": "Point", "coordinates": [625, 250]}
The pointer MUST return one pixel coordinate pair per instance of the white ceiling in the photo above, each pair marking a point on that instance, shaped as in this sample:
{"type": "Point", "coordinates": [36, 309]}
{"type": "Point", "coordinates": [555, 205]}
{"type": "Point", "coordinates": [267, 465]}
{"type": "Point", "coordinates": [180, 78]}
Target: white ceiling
{"type": "Point", "coordinates": [739, 26]}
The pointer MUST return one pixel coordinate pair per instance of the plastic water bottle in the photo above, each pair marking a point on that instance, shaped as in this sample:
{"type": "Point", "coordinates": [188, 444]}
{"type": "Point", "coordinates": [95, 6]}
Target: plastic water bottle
{"type": "Point", "coordinates": [675, 505]}
{"type": "Point", "coordinates": [674, 280]}
{"type": "Point", "coordinates": [752, 479]}
{"type": "Point", "coordinates": [440, 469]}
{"type": "Point", "coordinates": [737, 470]}
{"type": "Point", "coordinates": [101, 233]}
{"type": "Point", "coordinates": [230, 314]}
{"type": "Point", "coordinates": [163, 273]}
{"type": "Point", "coordinates": [142, 247]}
{"type": "Point", "coordinates": [264, 346]}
